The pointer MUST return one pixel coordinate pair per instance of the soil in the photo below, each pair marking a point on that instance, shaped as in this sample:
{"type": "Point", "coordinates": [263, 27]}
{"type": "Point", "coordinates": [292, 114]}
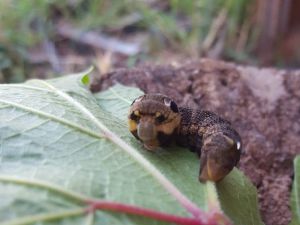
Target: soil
{"type": "Point", "coordinates": [262, 104]}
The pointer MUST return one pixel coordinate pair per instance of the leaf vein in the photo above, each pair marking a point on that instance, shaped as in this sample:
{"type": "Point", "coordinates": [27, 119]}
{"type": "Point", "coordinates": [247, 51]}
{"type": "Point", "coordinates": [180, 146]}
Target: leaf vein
{"type": "Point", "coordinates": [46, 185]}
{"type": "Point", "coordinates": [52, 117]}
{"type": "Point", "coordinates": [46, 217]}
{"type": "Point", "coordinates": [167, 184]}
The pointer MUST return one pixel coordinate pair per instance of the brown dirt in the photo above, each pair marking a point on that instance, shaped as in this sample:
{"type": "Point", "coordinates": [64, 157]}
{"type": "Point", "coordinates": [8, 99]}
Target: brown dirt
{"type": "Point", "coordinates": [262, 104]}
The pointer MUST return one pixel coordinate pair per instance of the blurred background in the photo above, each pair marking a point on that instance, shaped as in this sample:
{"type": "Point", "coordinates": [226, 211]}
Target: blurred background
{"type": "Point", "coordinates": [47, 38]}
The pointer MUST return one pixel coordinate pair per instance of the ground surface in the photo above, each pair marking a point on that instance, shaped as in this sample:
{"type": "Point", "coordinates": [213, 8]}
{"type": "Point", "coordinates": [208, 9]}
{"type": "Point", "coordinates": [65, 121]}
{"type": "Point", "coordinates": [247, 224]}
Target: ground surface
{"type": "Point", "coordinates": [262, 104]}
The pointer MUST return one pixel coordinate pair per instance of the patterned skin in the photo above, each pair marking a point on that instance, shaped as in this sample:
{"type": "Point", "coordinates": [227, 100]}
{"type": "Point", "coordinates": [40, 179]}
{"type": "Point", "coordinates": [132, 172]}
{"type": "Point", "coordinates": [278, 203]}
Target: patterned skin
{"type": "Point", "coordinates": [157, 121]}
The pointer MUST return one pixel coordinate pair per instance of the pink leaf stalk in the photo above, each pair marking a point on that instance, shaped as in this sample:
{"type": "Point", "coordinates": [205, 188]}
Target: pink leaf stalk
{"type": "Point", "coordinates": [210, 219]}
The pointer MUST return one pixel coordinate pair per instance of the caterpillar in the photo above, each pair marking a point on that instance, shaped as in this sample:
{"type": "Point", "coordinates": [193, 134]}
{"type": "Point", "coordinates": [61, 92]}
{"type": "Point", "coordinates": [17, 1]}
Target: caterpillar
{"type": "Point", "coordinates": [157, 121]}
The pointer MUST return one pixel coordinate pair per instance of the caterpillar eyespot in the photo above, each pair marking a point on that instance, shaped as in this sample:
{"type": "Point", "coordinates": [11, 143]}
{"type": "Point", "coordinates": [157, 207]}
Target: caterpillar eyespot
{"type": "Point", "coordinates": [174, 107]}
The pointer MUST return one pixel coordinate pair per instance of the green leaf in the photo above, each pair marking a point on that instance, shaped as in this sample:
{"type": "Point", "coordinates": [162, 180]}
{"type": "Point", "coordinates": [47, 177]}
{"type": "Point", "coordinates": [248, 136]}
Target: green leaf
{"type": "Point", "coordinates": [86, 78]}
{"type": "Point", "coordinates": [239, 199]}
{"type": "Point", "coordinates": [295, 198]}
{"type": "Point", "coordinates": [54, 155]}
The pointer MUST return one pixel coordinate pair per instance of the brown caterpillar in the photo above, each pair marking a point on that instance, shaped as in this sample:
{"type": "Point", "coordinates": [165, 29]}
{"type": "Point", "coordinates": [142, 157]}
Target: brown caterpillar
{"type": "Point", "coordinates": [157, 121]}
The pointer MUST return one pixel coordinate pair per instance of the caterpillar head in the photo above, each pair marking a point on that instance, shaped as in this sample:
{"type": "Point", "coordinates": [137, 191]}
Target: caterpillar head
{"type": "Point", "coordinates": [153, 119]}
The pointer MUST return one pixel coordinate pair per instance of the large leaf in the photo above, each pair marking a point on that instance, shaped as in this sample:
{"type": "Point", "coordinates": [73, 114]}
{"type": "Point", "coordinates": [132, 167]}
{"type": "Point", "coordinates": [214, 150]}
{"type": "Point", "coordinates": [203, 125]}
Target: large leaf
{"type": "Point", "coordinates": [295, 198]}
{"type": "Point", "coordinates": [53, 155]}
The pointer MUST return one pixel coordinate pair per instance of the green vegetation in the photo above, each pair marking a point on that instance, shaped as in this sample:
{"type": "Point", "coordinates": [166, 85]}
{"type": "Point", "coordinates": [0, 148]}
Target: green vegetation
{"type": "Point", "coordinates": [295, 196]}
{"type": "Point", "coordinates": [191, 28]}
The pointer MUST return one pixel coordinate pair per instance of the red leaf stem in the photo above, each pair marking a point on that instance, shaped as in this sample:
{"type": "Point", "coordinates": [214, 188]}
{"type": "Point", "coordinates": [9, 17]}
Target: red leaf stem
{"type": "Point", "coordinates": [135, 210]}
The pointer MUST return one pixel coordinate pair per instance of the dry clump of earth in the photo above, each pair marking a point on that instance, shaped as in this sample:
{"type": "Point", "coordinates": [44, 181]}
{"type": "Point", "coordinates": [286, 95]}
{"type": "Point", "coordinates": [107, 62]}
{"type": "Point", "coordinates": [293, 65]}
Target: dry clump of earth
{"type": "Point", "coordinates": [262, 104]}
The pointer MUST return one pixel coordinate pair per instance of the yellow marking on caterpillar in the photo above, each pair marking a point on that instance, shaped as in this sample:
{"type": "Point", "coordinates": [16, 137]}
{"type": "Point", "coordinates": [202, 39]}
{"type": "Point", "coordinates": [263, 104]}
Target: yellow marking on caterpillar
{"type": "Point", "coordinates": [132, 125]}
{"type": "Point", "coordinates": [137, 113]}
